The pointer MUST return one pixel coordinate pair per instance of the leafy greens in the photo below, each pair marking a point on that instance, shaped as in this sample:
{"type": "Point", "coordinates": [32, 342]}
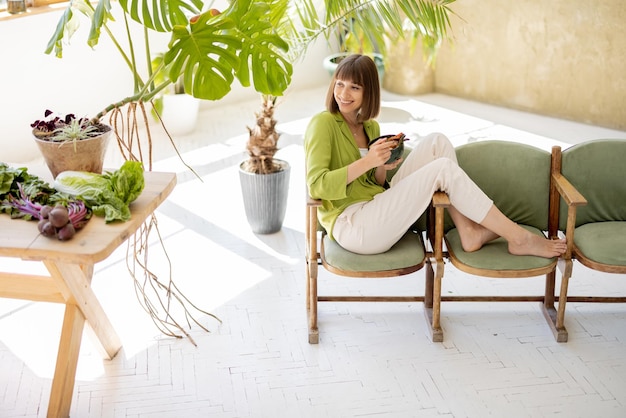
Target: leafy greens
{"type": "Point", "coordinates": [18, 185]}
{"type": "Point", "coordinates": [108, 195]}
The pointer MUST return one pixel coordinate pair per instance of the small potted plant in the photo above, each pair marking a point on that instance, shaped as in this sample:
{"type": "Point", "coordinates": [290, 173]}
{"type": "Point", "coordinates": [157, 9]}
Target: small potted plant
{"type": "Point", "coordinates": [71, 143]}
{"type": "Point", "coordinates": [375, 28]}
{"type": "Point", "coordinates": [177, 109]}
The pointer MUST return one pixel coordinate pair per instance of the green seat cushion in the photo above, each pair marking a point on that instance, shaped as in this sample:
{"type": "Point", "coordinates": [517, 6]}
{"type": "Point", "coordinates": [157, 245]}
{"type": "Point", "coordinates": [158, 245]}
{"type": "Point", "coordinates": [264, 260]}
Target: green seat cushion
{"type": "Point", "coordinates": [495, 254]}
{"type": "Point", "coordinates": [407, 252]}
{"type": "Point", "coordinates": [603, 242]}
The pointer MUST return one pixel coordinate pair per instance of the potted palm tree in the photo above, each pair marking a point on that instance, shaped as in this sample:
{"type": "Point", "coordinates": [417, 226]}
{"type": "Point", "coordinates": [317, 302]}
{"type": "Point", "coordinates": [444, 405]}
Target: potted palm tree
{"type": "Point", "coordinates": [360, 26]}
{"type": "Point", "coordinates": [264, 179]}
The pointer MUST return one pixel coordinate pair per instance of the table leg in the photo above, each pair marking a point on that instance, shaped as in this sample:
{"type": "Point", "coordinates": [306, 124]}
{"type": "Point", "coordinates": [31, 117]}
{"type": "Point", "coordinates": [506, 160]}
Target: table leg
{"type": "Point", "coordinates": [74, 284]}
{"type": "Point", "coordinates": [67, 361]}
{"type": "Point", "coordinates": [81, 305]}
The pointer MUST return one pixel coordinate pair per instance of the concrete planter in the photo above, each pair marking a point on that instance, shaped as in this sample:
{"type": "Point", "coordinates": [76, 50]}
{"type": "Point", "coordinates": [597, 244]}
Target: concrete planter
{"type": "Point", "coordinates": [265, 198]}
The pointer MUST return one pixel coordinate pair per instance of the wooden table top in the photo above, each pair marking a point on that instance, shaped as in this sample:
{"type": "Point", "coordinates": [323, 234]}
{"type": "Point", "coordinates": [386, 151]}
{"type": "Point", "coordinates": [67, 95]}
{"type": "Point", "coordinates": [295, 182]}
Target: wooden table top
{"type": "Point", "coordinates": [94, 242]}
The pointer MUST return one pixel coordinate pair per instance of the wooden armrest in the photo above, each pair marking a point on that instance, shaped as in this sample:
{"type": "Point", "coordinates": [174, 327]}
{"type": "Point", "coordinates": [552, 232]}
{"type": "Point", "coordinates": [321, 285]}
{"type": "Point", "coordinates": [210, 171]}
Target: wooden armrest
{"type": "Point", "coordinates": [573, 199]}
{"type": "Point", "coordinates": [435, 231]}
{"type": "Point", "coordinates": [571, 196]}
{"type": "Point", "coordinates": [313, 202]}
{"type": "Point", "coordinates": [441, 199]}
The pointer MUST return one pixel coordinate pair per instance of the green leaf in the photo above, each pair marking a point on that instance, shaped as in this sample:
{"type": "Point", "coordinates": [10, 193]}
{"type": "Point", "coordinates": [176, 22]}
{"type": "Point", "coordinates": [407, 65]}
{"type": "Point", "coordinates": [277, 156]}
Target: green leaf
{"type": "Point", "coordinates": [66, 23]}
{"type": "Point", "coordinates": [205, 53]}
{"type": "Point", "coordinates": [99, 17]}
{"type": "Point", "coordinates": [6, 178]}
{"type": "Point", "coordinates": [161, 15]}
{"type": "Point", "coordinates": [261, 52]}
{"type": "Point", "coordinates": [127, 182]}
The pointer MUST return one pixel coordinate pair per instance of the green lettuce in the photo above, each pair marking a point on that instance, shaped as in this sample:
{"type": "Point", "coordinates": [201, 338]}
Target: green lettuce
{"type": "Point", "coordinates": [108, 195]}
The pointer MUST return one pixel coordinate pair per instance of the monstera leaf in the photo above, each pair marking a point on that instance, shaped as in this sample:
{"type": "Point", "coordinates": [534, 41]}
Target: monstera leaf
{"type": "Point", "coordinates": [161, 15]}
{"type": "Point", "coordinates": [214, 49]}
{"type": "Point", "coordinates": [260, 53]}
{"type": "Point", "coordinates": [205, 54]}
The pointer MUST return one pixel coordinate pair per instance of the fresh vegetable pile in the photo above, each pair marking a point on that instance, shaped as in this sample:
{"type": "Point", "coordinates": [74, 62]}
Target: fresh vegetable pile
{"type": "Point", "coordinates": [65, 208]}
{"type": "Point", "coordinates": [63, 221]}
{"type": "Point", "coordinates": [109, 195]}
{"type": "Point", "coordinates": [26, 196]}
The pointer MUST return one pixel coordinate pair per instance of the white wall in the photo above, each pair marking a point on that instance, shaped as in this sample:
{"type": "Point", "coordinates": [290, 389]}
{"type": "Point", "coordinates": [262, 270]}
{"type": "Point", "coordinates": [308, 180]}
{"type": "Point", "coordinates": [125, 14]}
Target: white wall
{"type": "Point", "coordinates": [82, 82]}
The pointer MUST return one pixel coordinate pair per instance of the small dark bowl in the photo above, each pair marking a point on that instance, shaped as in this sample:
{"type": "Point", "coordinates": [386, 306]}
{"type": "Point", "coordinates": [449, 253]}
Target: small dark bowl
{"type": "Point", "coordinates": [396, 152]}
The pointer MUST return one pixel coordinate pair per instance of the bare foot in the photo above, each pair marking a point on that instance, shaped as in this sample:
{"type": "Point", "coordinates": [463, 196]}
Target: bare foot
{"type": "Point", "coordinates": [474, 236]}
{"type": "Point", "coordinates": [532, 244]}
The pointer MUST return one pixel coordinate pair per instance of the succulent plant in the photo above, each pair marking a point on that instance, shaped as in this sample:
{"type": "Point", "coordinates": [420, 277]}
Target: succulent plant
{"type": "Point", "coordinates": [55, 128]}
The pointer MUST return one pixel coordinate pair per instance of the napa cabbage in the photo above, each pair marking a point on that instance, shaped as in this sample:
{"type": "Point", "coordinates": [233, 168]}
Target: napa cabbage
{"type": "Point", "coordinates": [108, 195]}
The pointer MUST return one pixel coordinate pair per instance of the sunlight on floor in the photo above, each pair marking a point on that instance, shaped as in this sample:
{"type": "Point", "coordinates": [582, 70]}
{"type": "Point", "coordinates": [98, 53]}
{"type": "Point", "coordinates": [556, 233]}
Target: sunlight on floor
{"type": "Point", "coordinates": [224, 268]}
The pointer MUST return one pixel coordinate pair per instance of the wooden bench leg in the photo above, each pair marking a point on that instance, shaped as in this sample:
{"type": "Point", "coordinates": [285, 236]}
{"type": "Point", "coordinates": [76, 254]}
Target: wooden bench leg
{"type": "Point", "coordinates": [314, 336]}
{"type": "Point", "coordinates": [432, 299]}
{"type": "Point", "coordinates": [556, 319]}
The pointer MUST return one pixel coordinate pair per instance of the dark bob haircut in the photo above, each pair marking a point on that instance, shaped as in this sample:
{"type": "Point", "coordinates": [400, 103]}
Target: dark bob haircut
{"type": "Point", "coordinates": [358, 69]}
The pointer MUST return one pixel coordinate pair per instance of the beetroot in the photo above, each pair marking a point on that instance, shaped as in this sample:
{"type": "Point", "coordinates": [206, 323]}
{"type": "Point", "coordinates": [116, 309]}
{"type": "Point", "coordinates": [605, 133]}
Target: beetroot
{"type": "Point", "coordinates": [45, 211]}
{"type": "Point", "coordinates": [46, 228]}
{"type": "Point", "coordinates": [59, 216]}
{"type": "Point", "coordinates": [66, 232]}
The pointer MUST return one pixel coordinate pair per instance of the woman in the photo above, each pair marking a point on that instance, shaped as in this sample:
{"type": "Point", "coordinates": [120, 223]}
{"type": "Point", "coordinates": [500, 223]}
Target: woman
{"type": "Point", "coordinates": [360, 210]}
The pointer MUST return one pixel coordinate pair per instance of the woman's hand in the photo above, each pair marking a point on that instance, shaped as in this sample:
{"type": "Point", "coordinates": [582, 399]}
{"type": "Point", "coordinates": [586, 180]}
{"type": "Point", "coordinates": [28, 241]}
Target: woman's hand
{"type": "Point", "coordinates": [384, 152]}
{"type": "Point", "coordinates": [376, 157]}
{"type": "Point", "coordinates": [393, 165]}
{"type": "Point", "coordinates": [379, 153]}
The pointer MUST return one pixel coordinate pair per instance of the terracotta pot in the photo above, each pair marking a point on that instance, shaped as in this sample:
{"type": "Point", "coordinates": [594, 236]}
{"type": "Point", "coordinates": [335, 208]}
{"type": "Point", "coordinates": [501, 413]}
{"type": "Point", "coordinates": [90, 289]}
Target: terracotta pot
{"type": "Point", "coordinates": [88, 155]}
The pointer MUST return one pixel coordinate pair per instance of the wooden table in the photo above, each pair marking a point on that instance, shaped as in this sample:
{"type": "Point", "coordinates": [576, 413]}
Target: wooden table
{"type": "Point", "coordinates": [70, 264]}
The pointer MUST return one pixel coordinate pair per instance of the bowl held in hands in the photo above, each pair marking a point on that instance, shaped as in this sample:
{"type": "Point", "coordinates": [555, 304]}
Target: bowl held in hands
{"type": "Point", "coordinates": [398, 150]}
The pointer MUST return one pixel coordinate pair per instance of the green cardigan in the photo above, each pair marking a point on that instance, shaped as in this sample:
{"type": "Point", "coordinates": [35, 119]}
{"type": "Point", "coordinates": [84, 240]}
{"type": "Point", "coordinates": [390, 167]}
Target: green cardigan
{"type": "Point", "coordinates": [329, 149]}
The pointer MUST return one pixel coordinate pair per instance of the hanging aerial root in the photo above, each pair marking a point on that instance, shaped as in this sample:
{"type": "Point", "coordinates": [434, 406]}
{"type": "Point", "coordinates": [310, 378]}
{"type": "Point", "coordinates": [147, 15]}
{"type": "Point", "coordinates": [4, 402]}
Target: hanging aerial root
{"type": "Point", "coordinates": [158, 297]}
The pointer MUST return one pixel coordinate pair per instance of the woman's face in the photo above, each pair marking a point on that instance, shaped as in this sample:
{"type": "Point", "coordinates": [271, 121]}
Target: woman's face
{"type": "Point", "coordinates": [349, 96]}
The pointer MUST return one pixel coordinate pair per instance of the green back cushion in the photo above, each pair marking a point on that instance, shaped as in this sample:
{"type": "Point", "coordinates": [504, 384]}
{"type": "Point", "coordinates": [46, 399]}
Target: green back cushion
{"type": "Point", "coordinates": [515, 176]}
{"type": "Point", "coordinates": [598, 171]}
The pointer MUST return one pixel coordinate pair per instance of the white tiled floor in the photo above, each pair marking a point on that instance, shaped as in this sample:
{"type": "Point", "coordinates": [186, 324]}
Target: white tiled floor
{"type": "Point", "coordinates": [372, 360]}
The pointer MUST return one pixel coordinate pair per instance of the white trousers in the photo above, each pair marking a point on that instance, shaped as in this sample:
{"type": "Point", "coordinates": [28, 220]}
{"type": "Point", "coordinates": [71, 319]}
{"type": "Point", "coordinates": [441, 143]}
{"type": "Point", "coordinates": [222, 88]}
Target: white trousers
{"type": "Point", "coordinates": [373, 227]}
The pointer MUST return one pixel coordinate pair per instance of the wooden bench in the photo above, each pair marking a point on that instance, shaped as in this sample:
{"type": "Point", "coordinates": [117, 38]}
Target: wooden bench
{"type": "Point", "coordinates": [544, 192]}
